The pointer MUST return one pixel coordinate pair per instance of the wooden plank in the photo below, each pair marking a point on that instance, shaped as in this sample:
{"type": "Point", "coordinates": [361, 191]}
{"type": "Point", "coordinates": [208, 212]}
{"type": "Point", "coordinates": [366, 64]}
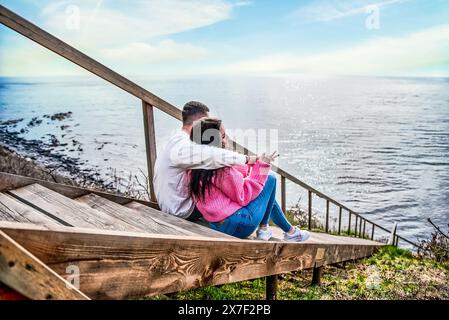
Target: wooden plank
{"type": "Point", "coordinates": [11, 181]}
{"type": "Point", "coordinates": [162, 217]}
{"type": "Point", "coordinates": [150, 144]}
{"type": "Point", "coordinates": [117, 265]}
{"type": "Point", "coordinates": [15, 211]}
{"type": "Point", "coordinates": [134, 217]}
{"type": "Point", "coordinates": [70, 211]}
{"type": "Point", "coordinates": [23, 272]}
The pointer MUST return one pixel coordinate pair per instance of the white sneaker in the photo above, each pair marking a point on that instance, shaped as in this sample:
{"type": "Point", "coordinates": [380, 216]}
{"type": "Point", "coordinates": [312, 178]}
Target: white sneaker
{"type": "Point", "coordinates": [264, 234]}
{"type": "Point", "coordinates": [297, 236]}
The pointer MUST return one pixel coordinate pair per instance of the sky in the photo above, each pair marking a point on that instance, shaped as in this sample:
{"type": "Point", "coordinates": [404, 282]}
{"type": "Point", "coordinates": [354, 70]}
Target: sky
{"type": "Point", "coordinates": [235, 37]}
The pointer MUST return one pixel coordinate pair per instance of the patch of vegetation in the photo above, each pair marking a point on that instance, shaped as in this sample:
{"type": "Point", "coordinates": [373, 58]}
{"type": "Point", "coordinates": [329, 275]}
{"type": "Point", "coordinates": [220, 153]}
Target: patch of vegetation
{"type": "Point", "coordinates": [298, 216]}
{"type": "Point", "coordinates": [437, 246]}
{"type": "Point", "coordinates": [391, 273]}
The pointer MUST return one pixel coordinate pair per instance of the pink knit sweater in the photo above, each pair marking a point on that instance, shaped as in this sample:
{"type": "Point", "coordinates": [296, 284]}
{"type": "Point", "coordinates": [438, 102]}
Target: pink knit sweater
{"type": "Point", "coordinates": [233, 188]}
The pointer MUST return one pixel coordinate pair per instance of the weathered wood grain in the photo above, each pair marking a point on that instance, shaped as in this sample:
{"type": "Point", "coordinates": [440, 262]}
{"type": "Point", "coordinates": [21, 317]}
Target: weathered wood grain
{"type": "Point", "coordinates": [178, 222]}
{"type": "Point", "coordinates": [15, 211]}
{"type": "Point", "coordinates": [26, 274]}
{"type": "Point", "coordinates": [117, 265]}
{"type": "Point", "coordinates": [11, 181]}
{"type": "Point", "coordinates": [134, 217]}
{"type": "Point", "coordinates": [73, 212]}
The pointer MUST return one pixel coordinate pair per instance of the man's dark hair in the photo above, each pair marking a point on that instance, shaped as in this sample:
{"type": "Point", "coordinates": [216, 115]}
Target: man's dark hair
{"type": "Point", "coordinates": [193, 110]}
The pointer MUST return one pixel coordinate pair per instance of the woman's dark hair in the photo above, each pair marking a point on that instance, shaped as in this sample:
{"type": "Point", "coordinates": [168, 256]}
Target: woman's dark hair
{"type": "Point", "coordinates": [204, 131]}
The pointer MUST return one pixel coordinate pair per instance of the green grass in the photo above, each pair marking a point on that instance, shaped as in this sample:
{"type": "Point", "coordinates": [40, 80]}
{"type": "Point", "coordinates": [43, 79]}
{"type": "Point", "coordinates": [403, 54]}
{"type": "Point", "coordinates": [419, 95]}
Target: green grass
{"type": "Point", "coordinates": [391, 273]}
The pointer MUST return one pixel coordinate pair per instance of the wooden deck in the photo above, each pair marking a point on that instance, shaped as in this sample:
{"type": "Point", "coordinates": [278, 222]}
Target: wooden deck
{"type": "Point", "coordinates": [131, 249]}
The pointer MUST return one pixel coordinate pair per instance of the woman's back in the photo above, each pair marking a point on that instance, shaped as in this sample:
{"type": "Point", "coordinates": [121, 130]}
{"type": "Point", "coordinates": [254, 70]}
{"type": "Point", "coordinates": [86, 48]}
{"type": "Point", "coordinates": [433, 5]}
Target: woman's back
{"type": "Point", "coordinates": [231, 189]}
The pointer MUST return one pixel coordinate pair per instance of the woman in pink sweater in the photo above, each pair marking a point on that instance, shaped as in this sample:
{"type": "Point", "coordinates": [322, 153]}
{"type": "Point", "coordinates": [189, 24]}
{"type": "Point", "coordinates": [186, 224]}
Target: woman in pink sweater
{"type": "Point", "coordinates": [237, 200]}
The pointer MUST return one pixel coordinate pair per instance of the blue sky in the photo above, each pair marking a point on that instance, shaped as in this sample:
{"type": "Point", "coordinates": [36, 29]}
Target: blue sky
{"type": "Point", "coordinates": [195, 37]}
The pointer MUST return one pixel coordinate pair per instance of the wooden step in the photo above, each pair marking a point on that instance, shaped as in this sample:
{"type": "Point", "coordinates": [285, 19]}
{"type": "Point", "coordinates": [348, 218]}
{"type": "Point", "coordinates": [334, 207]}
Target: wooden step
{"type": "Point", "coordinates": [175, 221]}
{"type": "Point", "coordinates": [15, 211]}
{"type": "Point", "coordinates": [136, 218]}
{"type": "Point", "coordinates": [120, 265]}
{"type": "Point", "coordinates": [21, 270]}
{"type": "Point", "coordinates": [71, 212]}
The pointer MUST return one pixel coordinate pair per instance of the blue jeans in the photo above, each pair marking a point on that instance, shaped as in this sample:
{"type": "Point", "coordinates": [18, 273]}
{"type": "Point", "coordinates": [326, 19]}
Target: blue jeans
{"type": "Point", "coordinates": [245, 221]}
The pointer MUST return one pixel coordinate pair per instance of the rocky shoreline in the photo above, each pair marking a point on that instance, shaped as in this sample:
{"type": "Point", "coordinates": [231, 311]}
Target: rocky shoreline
{"type": "Point", "coordinates": [47, 158]}
{"type": "Point", "coordinates": [18, 153]}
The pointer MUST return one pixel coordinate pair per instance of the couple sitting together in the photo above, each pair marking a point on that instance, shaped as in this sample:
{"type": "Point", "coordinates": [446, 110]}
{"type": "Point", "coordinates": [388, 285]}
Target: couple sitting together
{"type": "Point", "coordinates": [196, 176]}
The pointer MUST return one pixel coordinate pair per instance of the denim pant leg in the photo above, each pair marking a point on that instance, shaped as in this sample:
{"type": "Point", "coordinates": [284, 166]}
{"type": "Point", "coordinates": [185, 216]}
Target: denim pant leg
{"type": "Point", "coordinates": [240, 224]}
{"type": "Point", "coordinates": [279, 218]}
{"type": "Point", "coordinates": [245, 221]}
{"type": "Point", "coordinates": [264, 202]}
{"type": "Point", "coordinates": [275, 213]}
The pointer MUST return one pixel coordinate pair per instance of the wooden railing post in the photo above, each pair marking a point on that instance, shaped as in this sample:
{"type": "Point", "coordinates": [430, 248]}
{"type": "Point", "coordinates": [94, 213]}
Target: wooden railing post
{"type": "Point", "coordinates": [327, 217]}
{"type": "Point", "coordinates": [391, 240]}
{"type": "Point", "coordinates": [310, 210]}
{"type": "Point", "coordinates": [360, 227]}
{"type": "Point", "coordinates": [283, 195]}
{"type": "Point", "coordinates": [150, 145]}
{"type": "Point", "coordinates": [356, 225]}
{"type": "Point", "coordinates": [364, 228]}
{"type": "Point", "coordinates": [316, 275]}
{"type": "Point", "coordinates": [349, 223]}
{"type": "Point", "coordinates": [339, 220]}
{"type": "Point", "coordinates": [372, 232]}
{"type": "Point", "coordinates": [271, 287]}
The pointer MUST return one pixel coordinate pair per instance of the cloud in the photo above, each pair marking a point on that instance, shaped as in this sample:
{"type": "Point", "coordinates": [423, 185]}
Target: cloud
{"type": "Point", "coordinates": [166, 50]}
{"type": "Point", "coordinates": [89, 23]}
{"type": "Point", "coordinates": [27, 58]}
{"type": "Point", "coordinates": [383, 56]}
{"type": "Point", "coordinates": [243, 3]}
{"type": "Point", "coordinates": [323, 11]}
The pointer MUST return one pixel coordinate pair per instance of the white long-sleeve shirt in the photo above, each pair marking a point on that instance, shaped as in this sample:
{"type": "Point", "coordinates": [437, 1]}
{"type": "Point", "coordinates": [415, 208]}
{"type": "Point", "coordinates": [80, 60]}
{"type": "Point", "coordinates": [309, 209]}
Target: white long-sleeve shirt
{"type": "Point", "coordinates": [170, 171]}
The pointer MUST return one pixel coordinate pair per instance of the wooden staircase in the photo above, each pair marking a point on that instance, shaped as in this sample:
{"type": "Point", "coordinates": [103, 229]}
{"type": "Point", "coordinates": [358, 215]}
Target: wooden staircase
{"type": "Point", "coordinates": [131, 249]}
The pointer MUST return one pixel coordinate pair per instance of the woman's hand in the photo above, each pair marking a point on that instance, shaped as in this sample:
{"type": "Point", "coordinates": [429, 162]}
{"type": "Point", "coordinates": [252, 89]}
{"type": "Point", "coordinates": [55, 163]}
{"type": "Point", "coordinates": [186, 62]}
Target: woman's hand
{"type": "Point", "coordinates": [251, 159]}
{"type": "Point", "coordinates": [268, 158]}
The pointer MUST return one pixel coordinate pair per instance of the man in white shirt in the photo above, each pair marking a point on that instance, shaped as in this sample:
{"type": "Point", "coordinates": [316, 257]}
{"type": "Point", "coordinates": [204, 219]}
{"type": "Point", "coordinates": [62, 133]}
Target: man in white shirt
{"type": "Point", "coordinates": [181, 154]}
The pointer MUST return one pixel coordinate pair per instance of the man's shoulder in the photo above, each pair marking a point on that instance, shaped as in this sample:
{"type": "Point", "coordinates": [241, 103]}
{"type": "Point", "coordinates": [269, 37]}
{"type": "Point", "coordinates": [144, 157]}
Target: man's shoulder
{"type": "Point", "coordinates": [178, 136]}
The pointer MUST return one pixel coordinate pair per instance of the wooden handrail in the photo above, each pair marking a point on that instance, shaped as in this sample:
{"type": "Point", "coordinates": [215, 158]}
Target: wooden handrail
{"type": "Point", "coordinates": [45, 39]}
